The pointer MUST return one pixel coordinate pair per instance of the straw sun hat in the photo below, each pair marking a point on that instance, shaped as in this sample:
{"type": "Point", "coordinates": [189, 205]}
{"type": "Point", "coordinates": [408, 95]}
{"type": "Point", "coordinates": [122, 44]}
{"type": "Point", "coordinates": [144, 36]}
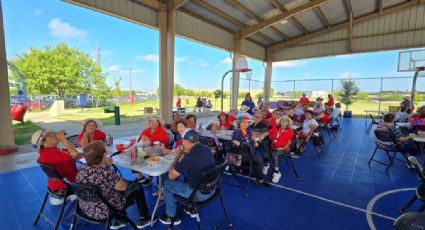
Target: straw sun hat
{"type": "Point", "coordinates": [286, 118]}
{"type": "Point", "coordinates": [38, 137]}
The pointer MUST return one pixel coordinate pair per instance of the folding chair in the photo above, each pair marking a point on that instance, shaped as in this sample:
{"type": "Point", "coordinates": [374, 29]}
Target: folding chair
{"type": "Point", "coordinates": [210, 142]}
{"type": "Point", "coordinates": [420, 191]}
{"type": "Point", "coordinates": [90, 193]}
{"type": "Point", "coordinates": [209, 183]}
{"type": "Point", "coordinates": [317, 140]}
{"type": "Point", "coordinates": [335, 123]}
{"type": "Point", "coordinates": [372, 123]}
{"type": "Point", "coordinates": [388, 143]}
{"type": "Point", "coordinates": [246, 151]}
{"type": "Point", "coordinates": [52, 174]}
{"type": "Point", "coordinates": [288, 159]}
{"type": "Point", "coordinates": [73, 140]}
{"type": "Point", "coordinates": [410, 221]}
{"type": "Point", "coordinates": [325, 126]}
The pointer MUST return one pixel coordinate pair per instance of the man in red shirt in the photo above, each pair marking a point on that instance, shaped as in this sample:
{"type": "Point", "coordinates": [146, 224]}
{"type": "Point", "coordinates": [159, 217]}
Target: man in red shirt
{"type": "Point", "coordinates": [179, 103]}
{"type": "Point", "coordinates": [331, 101]}
{"type": "Point", "coordinates": [304, 100]}
{"type": "Point", "coordinates": [62, 161]}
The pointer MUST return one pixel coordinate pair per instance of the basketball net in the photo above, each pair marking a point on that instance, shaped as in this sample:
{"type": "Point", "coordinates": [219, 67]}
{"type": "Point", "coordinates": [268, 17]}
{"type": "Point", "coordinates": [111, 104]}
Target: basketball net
{"type": "Point", "coordinates": [242, 67]}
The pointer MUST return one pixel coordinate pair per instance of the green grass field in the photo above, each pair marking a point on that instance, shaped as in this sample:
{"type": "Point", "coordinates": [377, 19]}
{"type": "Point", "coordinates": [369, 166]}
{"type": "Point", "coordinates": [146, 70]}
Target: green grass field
{"type": "Point", "coordinates": [23, 132]}
{"type": "Point", "coordinates": [134, 112]}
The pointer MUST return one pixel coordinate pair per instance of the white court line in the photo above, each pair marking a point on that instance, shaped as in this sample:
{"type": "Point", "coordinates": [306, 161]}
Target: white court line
{"type": "Point", "coordinates": [368, 212]}
{"type": "Point", "coordinates": [375, 199]}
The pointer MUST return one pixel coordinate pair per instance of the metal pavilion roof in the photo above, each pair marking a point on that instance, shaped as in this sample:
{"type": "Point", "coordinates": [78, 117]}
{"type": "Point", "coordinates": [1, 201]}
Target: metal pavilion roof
{"type": "Point", "coordinates": [288, 28]}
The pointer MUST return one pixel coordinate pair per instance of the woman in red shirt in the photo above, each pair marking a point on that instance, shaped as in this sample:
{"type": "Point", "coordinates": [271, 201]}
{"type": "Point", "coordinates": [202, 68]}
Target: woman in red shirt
{"type": "Point", "coordinates": [223, 121]}
{"type": "Point", "coordinates": [154, 133]}
{"type": "Point", "coordinates": [331, 101]}
{"type": "Point", "coordinates": [90, 133]}
{"type": "Point", "coordinates": [62, 161]}
{"type": "Point", "coordinates": [282, 137]}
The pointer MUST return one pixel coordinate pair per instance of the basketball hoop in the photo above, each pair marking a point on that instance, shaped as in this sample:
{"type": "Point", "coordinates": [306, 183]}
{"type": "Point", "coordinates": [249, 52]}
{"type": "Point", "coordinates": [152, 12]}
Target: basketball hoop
{"type": "Point", "coordinates": [242, 67]}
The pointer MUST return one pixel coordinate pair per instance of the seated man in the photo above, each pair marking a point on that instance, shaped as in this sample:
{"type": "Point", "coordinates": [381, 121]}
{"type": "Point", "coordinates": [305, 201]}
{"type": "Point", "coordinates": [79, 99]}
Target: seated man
{"type": "Point", "coordinates": [97, 172]}
{"type": "Point", "coordinates": [197, 159]}
{"type": "Point", "coordinates": [404, 141]}
{"type": "Point", "coordinates": [260, 132]}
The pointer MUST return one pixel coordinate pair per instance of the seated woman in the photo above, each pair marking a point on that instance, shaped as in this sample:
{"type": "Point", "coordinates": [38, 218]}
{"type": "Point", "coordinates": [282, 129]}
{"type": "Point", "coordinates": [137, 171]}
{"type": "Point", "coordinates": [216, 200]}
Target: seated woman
{"type": "Point", "coordinates": [282, 137]}
{"type": "Point", "coordinates": [90, 132]}
{"type": "Point", "coordinates": [223, 121]}
{"type": "Point", "coordinates": [243, 141]}
{"type": "Point", "coordinates": [63, 161]}
{"type": "Point", "coordinates": [309, 125]}
{"type": "Point", "coordinates": [317, 110]}
{"type": "Point", "coordinates": [298, 118]}
{"type": "Point", "coordinates": [191, 121]}
{"type": "Point", "coordinates": [336, 112]}
{"type": "Point", "coordinates": [97, 172]}
{"type": "Point", "coordinates": [266, 110]}
{"type": "Point", "coordinates": [273, 121]}
{"type": "Point", "coordinates": [154, 133]}
{"type": "Point", "coordinates": [212, 132]}
{"type": "Point", "coordinates": [323, 118]}
{"type": "Point", "coordinates": [420, 120]}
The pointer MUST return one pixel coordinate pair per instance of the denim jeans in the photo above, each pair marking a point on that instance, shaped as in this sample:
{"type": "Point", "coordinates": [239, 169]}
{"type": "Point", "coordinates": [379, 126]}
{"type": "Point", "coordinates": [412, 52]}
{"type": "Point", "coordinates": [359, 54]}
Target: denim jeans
{"type": "Point", "coordinates": [171, 188]}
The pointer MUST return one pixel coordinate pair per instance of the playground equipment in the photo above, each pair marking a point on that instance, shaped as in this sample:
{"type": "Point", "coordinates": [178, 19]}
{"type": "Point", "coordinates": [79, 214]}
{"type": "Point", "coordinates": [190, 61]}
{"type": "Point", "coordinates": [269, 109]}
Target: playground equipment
{"type": "Point", "coordinates": [20, 103]}
{"type": "Point", "coordinates": [241, 67]}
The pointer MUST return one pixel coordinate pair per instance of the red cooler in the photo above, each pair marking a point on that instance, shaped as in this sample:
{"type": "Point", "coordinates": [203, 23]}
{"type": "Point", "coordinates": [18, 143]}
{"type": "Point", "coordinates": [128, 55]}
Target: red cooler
{"type": "Point", "coordinates": [18, 112]}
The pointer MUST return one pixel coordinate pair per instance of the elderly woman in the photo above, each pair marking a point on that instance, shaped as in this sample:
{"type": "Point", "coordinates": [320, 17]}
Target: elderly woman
{"type": "Point", "coordinates": [120, 194]}
{"type": "Point", "coordinates": [248, 102]}
{"type": "Point", "coordinates": [90, 132]}
{"type": "Point", "coordinates": [223, 121]}
{"type": "Point", "coordinates": [243, 141]}
{"type": "Point", "coordinates": [211, 131]}
{"type": "Point", "coordinates": [191, 121]}
{"type": "Point", "coordinates": [181, 126]}
{"type": "Point", "coordinates": [154, 133]}
{"type": "Point", "coordinates": [282, 137]}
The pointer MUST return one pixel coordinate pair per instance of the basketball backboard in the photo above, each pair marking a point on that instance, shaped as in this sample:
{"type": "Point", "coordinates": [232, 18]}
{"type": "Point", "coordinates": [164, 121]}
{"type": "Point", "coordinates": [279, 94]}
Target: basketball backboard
{"type": "Point", "coordinates": [410, 60]}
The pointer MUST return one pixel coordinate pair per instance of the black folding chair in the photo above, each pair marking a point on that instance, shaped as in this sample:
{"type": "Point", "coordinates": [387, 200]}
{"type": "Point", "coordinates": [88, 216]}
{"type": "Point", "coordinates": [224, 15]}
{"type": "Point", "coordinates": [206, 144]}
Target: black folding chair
{"type": "Point", "coordinates": [210, 142]}
{"type": "Point", "coordinates": [210, 183]}
{"type": "Point", "coordinates": [52, 174]}
{"type": "Point", "coordinates": [335, 123]}
{"type": "Point", "coordinates": [372, 123]}
{"type": "Point", "coordinates": [287, 157]}
{"type": "Point", "coordinates": [325, 126]}
{"type": "Point", "coordinates": [317, 140]}
{"type": "Point", "coordinates": [247, 154]}
{"type": "Point", "coordinates": [89, 193]}
{"type": "Point", "coordinates": [387, 142]}
{"type": "Point", "coordinates": [410, 221]}
{"type": "Point", "coordinates": [73, 140]}
{"type": "Point", "coordinates": [420, 191]}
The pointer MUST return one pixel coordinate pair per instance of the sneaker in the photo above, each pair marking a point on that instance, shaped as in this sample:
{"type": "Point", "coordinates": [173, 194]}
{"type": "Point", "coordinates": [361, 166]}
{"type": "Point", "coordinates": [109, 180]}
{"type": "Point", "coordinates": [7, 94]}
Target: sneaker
{"type": "Point", "coordinates": [191, 212]}
{"type": "Point", "coordinates": [276, 177]}
{"type": "Point", "coordinates": [167, 220]}
{"type": "Point", "coordinates": [140, 180]}
{"type": "Point", "coordinates": [263, 183]}
{"type": "Point", "coordinates": [411, 166]}
{"type": "Point", "coordinates": [117, 225]}
{"type": "Point", "coordinates": [147, 182]}
{"type": "Point", "coordinates": [56, 201]}
{"type": "Point", "coordinates": [266, 169]}
{"type": "Point", "coordinates": [145, 222]}
{"type": "Point", "coordinates": [293, 155]}
{"type": "Point", "coordinates": [71, 198]}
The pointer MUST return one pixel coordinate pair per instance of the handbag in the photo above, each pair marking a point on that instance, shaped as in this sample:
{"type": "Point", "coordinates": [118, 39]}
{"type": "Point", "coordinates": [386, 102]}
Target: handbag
{"type": "Point", "coordinates": [234, 159]}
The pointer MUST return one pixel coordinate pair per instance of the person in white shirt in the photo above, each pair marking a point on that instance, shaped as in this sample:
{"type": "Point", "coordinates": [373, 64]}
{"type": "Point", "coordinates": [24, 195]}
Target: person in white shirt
{"type": "Point", "coordinates": [336, 111]}
{"type": "Point", "coordinates": [309, 125]}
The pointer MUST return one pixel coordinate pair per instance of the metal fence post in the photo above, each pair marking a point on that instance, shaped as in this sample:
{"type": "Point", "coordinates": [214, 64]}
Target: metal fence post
{"type": "Point", "coordinates": [293, 91]}
{"type": "Point", "coordinates": [380, 94]}
{"type": "Point", "coordinates": [332, 87]}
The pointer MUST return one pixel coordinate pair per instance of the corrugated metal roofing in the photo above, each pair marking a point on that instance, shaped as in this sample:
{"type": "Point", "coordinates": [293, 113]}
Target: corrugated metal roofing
{"type": "Point", "coordinates": [310, 20]}
{"type": "Point", "coordinates": [335, 11]}
{"type": "Point", "coordinates": [404, 28]}
{"type": "Point", "coordinates": [207, 14]}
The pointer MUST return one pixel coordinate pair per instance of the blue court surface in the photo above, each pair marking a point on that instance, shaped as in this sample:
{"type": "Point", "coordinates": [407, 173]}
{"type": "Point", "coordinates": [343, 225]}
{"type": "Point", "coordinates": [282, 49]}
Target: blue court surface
{"type": "Point", "coordinates": [337, 191]}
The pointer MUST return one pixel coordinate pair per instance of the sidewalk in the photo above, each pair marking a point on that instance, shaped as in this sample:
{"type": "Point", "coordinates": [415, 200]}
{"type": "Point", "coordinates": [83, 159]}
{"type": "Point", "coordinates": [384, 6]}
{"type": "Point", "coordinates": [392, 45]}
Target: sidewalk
{"type": "Point", "coordinates": [27, 156]}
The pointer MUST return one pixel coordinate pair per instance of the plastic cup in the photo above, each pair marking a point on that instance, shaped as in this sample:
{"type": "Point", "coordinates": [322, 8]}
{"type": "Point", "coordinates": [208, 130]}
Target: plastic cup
{"type": "Point", "coordinates": [120, 148]}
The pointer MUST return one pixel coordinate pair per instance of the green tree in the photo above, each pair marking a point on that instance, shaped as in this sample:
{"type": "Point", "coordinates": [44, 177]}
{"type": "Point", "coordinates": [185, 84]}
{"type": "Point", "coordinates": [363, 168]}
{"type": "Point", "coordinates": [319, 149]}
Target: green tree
{"type": "Point", "coordinates": [348, 90]}
{"type": "Point", "coordinates": [117, 89]}
{"type": "Point", "coordinates": [60, 70]}
{"type": "Point", "coordinates": [362, 96]}
{"type": "Point", "coordinates": [217, 94]}
{"type": "Point", "coordinates": [99, 88]}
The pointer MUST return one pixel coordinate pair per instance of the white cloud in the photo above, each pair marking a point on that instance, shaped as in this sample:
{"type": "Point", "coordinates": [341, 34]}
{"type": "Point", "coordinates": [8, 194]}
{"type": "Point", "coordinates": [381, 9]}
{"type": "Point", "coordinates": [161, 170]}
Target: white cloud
{"type": "Point", "coordinates": [38, 12]}
{"type": "Point", "coordinates": [204, 65]}
{"type": "Point", "coordinates": [181, 59]}
{"type": "Point", "coordinates": [349, 75]}
{"type": "Point", "coordinates": [118, 68]}
{"type": "Point", "coordinates": [290, 64]}
{"type": "Point", "coordinates": [155, 58]}
{"type": "Point", "coordinates": [61, 29]}
{"type": "Point", "coordinates": [226, 61]}
{"type": "Point", "coordinates": [149, 57]}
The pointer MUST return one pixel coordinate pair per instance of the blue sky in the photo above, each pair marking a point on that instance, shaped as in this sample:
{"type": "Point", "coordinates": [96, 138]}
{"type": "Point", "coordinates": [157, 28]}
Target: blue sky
{"type": "Point", "coordinates": [126, 45]}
